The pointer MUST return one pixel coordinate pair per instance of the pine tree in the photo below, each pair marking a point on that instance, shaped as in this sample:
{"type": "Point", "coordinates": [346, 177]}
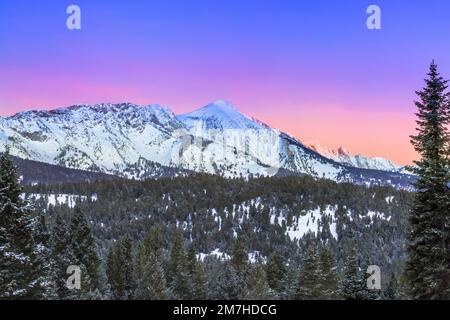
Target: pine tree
{"type": "Point", "coordinates": [44, 261]}
{"type": "Point", "coordinates": [328, 282]}
{"type": "Point", "coordinates": [21, 269]}
{"type": "Point", "coordinates": [61, 258]}
{"type": "Point", "coordinates": [179, 282]}
{"type": "Point", "coordinates": [427, 269]}
{"type": "Point", "coordinates": [151, 285]}
{"type": "Point", "coordinates": [229, 284]}
{"type": "Point", "coordinates": [196, 274]}
{"type": "Point", "coordinates": [277, 274]}
{"type": "Point", "coordinates": [177, 257]}
{"type": "Point", "coordinates": [366, 293]}
{"type": "Point", "coordinates": [120, 269]}
{"type": "Point", "coordinates": [352, 286]}
{"type": "Point", "coordinates": [257, 287]}
{"type": "Point", "coordinates": [239, 256]}
{"type": "Point", "coordinates": [83, 247]}
{"type": "Point", "coordinates": [308, 285]}
{"type": "Point", "coordinates": [392, 289]}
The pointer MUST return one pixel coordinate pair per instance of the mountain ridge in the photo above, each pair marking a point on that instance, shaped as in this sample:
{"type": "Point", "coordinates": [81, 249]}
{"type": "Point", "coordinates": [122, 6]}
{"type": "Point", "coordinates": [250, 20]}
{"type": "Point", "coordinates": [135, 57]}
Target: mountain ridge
{"type": "Point", "coordinates": [126, 139]}
{"type": "Point", "coordinates": [342, 155]}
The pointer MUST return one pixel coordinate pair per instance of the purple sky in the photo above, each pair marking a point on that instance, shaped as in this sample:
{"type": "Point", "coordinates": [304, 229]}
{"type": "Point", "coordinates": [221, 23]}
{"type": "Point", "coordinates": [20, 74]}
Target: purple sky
{"type": "Point", "coordinates": [311, 68]}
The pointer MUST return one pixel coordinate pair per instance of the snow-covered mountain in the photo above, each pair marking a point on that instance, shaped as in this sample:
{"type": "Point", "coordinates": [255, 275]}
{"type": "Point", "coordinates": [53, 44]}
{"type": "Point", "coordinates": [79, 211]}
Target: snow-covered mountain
{"type": "Point", "coordinates": [342, 155]}
{"type": "Point", "coordinates": [141, 141]}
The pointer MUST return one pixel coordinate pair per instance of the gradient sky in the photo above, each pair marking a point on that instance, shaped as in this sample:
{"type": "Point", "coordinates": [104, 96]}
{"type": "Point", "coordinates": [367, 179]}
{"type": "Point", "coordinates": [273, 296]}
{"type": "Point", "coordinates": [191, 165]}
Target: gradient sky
{"type": "Point", "coordinates": [310, 68]}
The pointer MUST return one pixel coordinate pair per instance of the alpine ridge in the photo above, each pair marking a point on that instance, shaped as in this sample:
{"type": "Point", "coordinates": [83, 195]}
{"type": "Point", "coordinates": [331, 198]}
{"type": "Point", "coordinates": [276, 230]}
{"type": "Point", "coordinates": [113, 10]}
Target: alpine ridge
{"type": "Point", "coordinates": [140, 142]}
{"type": "Point", "coordinates": [344, 156]}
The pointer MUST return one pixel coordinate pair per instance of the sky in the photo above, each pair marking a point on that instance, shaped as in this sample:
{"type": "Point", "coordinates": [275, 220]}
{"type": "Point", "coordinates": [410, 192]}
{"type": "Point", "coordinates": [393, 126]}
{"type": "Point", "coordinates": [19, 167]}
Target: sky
{"type": "Point", "coordinates": [311, 68]}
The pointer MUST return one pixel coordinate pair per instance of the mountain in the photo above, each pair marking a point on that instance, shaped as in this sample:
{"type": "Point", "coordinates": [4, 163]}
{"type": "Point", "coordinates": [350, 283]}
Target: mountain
{"type": "Point", "coordinates": [220, 115]}
{"type": "Point", "coordinates": [140, 142]}
{"type": "Point", "coordinates": [342, 155]}
{"type": "Point", "coordinates": [39, 173]}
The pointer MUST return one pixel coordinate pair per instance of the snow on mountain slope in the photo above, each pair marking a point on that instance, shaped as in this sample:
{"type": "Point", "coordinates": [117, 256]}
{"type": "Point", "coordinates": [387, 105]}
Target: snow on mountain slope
{"type": "Point", "coordinates": [107, 138]}
{"type": "Point", "coordinates": [265, 150]}
{"type": "Point", "coordinates": [139, 141]}
{"type": "Point", "coordinates": [358, 161]}
{"type": "Point", "coordinates": [220, 115]}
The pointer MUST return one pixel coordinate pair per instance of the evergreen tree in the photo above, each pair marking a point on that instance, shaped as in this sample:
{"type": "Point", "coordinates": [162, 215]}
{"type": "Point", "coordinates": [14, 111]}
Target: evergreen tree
{"type": "Point", "coordinates": [328, 281]}
{"type": "Point", "coordinates": [151, 285]}
{"type": "Point", "coordinates": [44, 261]}
{"type": "Point", "coordinates": [229, 284]}
{"type": "Point", "coordinates": [179, 281]}
{"type": "Point", "coordinates": [366, 293]}
{"type": "Point", "coordinates": [276, 274]}
{"type": "Point", "coordinates": [197, 275]}
{"type": "Point", "coordinates": [61, 258]}
{"type": "Point", "coordinates": [428, 268]}
{"type": "Point", "coordinates": [21, 269]}
{"type": "Point", "coordinates": [309, 277]}
{"type": "Point", "coordinates": [353, 286]}
{"type": "Point", "coordinates": [391, 292]}
{"type": "Point", "coordinates": [257, 287]}
{"type": "Point", "coordinates": [177, 256]}
{"type": "Point", "coordinates": [239, 256]}
{"type": "Point", "coordinates": [120, 269]}
{"type": "Point", "coordinates": [83, 247]}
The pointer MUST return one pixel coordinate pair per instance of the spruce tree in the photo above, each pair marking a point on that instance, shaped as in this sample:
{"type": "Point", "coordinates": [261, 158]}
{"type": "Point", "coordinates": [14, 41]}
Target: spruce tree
{"type": "Point", "coordinates": [277, 274]}
{"type": "Point", "coordinates": [196, 274]}
{"type": "Point", "coordinates": [61, 258]}
{"type": "Point", "coordinates": [391, 292]}
{"type": "Point", "coordinates": [179, 282]}
{"type": "Point", "coordinates": [309, 277]}
{"type": "Point", "coordinates": [83, 247]}
{"type": "Point", "coordinates": [353, 285]}
{"type": "Point", "coordinates": [328, 277]}
{"type": "Point", "coordinates": [366, 293]}
{"type": "Point", "coordinates": [21, 269]}
{"type": "Point", "coordinates": [428, 267]}
{"type": "Point", "coordinates": [229, 284]}
{"type": "Point", "coordinates": [44, 261]}
{"type": "Point", "coordinates": [239, 256]}
{"type": "Point", "coordinates": [177, 257]}
{"type": "Point", "coordinates": [120, 269]}
{"type": "Point", "coordinates": [257, 287]}
{"type": "Point", "coordinates": [151, 285]}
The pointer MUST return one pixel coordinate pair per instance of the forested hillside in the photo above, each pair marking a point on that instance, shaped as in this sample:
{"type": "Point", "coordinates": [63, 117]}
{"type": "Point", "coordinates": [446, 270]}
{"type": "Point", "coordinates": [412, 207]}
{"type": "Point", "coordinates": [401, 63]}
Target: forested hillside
{"type": "Point", "coordinates": [268, 222]}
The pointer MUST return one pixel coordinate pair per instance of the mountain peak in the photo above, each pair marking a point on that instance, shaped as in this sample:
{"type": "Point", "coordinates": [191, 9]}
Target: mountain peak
{"type": "Point", "coordinates": [344, 156]}
{"type": "Point", "coordinates": [220, 106]}
{"type": "Point", "coordinates": [220, 115]}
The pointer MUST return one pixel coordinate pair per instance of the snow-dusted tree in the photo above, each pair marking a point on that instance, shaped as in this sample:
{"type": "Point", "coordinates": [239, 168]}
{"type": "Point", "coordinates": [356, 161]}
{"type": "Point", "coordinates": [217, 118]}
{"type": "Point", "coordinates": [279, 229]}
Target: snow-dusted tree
{"type": "Point", "coordinates": [120, 269]}
{"type": "Point", "coordinates": [328, 283]}
{"type": "Point", "coordinates": [21, 266]}
{"type": "Point", "coordinates": [83, 247]}
{"type": "Point", "coordinates": [353, 285]}
{"type": "Point", "coordinates": [277, 274]}
{"type": "Point", "coordinates": [229, 284]}
{"type": "Point", "coordinates": [257, 286]}
{"type": "Point", "coordinates": [61, 258]}
{"type": "Point", "coordinates": [308, 285]}
{"type": "Point", "coordinates": [391, 292]}
{"type": "Point", "coordinates": [151, 285]}
{"type": "Point", "coordinates": [239, 257]}
{"type": "Point", "coordinates": [196, 274]}
{"type": "Point", "coordinates": [428, 267]}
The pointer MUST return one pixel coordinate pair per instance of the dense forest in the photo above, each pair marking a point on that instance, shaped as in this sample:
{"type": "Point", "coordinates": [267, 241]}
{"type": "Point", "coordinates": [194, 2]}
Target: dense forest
{"type": "Point", "coordinates": [206, 237]}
